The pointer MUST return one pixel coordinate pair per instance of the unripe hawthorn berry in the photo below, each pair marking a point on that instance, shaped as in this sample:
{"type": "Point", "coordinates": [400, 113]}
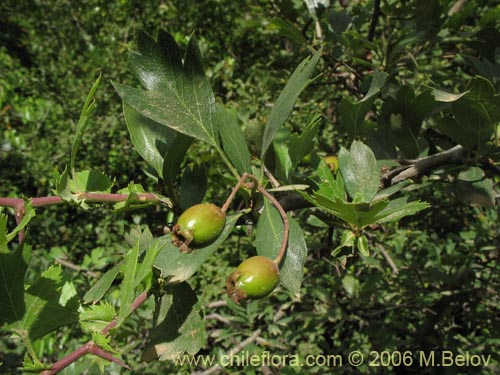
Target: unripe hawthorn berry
{"type": "Point", "coordinates": [254, 278]}
{"type": "Point", "coordinates": [333, 163]}
{"type": "Point", "coordinates": [199, 226]}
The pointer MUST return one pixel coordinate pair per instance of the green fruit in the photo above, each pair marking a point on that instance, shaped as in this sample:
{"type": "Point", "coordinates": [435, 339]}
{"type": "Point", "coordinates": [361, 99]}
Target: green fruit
{"type": "Point", "coordinates": [333, 163]}
{"type": "Point", "coordinates": [200, 225]}
{"type": "Point", "coordinates": [254, 278]}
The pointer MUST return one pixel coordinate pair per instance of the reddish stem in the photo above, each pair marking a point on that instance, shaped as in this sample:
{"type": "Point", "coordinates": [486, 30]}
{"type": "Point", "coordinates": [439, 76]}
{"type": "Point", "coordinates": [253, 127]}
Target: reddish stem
{"type": "Point", "coordinates": [91, 348]}
{"type": "Point", "coordinates": [229, 199]}
{"type": "Point", "coordinates": [19, 204]}
{"type": "Point", "coordinates": [286, 224]}
{"type": "Point", "coordinates": [69, 359]}
{"type": "Point", "coordinates": [274, 201]}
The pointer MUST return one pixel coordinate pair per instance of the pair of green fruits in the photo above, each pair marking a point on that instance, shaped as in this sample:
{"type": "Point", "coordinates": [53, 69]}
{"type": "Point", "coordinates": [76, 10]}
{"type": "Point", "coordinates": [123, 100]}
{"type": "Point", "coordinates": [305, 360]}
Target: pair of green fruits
{"type": "Point", "coordinates": [199, 226]}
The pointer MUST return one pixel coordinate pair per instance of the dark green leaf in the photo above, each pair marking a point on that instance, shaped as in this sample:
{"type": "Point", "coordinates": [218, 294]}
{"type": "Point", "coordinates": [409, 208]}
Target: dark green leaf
{"type": "Point", "coordinates": [178, 323]}
{"type": "Point", "coordinates": [301, 145]}
{"type": "Point", "coordinates": [352, 113]}
{"type": "Point", "coordinates": [193, 185]}
{"type": "Point", "coordinates": [287, 30]}
{"type": "Point", "coordinates": [150, 138]}
{"type": "Point", "coordinates": [406, 113]}
{"type": "Point", "coordinates": [473, 188]}
{"type": "Point", "coordinates": [13, 266]}
{"type": "Point", "coordinates": [285, 102]}
{"type": "Point", "coordinates": [173, 161]}
{"type": "Point", "coordinates": [233, 139]}
{"type": "Point", "coordinates": [177, 94]}
{"type": "Point", "coordinates": [474, 116]}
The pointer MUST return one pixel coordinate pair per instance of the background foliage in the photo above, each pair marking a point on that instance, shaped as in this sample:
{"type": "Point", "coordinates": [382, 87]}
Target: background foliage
{"type": "Point", "coordinates": [431, 279]}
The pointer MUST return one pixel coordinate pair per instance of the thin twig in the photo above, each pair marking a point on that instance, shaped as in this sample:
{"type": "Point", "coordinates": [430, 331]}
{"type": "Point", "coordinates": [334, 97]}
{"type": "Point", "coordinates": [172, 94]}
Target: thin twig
{"type": "Point", "coordinates": [19, 204]}
{"type": "Point", "coordinates": [75, 267]}
{"type": "Point", "coordinates": [217, 317]}
{"type": "Point", "coordinates": [389, 260]}
{"type": "Point", "coordinates": [375, 16]}
{"type": "Point", "coordinates": [215, 304]}
{"type": "Point", "coordinates": [231, 196]}
{"type": "Point", "coordinates": [274, 201]}
{"type": "Point", "coordinates": [91, 348]}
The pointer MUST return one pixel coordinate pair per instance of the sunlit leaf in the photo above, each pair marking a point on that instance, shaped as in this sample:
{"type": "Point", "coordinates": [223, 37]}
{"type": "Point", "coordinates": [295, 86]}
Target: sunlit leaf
{"type": "Point", "coordinates": [360, 171]}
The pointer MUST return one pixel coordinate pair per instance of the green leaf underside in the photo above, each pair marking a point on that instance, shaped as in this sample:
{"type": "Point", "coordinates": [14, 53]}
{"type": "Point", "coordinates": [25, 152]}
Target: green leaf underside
{"type": "Point", "coordinates": [475, 115]}
{"type": "Point", "coordinates": [268, 242]}
{"type": "Point", "coordinates": [145, 247]}
{"type": "Point", "coordinates": [91, 180]}
{"type": "Point", "coordinates": [177, 95]}
{"type": "Point", "coordinates": [177, 266]}
{"type": "Point", "coordinates": [286, 100]}
{"type": "Point", "coordinates": [96, 318]}
{"type": "Point", "coordinates": [283, 158]}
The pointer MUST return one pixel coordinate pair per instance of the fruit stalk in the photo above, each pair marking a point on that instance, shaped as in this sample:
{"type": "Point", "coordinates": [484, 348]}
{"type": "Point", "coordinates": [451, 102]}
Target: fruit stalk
{"type": "Point", "coordinates": [274, 201]}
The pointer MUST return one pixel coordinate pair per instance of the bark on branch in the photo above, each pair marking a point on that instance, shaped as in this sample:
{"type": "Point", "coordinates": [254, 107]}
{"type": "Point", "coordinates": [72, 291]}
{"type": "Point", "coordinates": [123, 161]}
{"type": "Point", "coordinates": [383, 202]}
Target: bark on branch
{"type": "Point", "coordinates": [454, 155]}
